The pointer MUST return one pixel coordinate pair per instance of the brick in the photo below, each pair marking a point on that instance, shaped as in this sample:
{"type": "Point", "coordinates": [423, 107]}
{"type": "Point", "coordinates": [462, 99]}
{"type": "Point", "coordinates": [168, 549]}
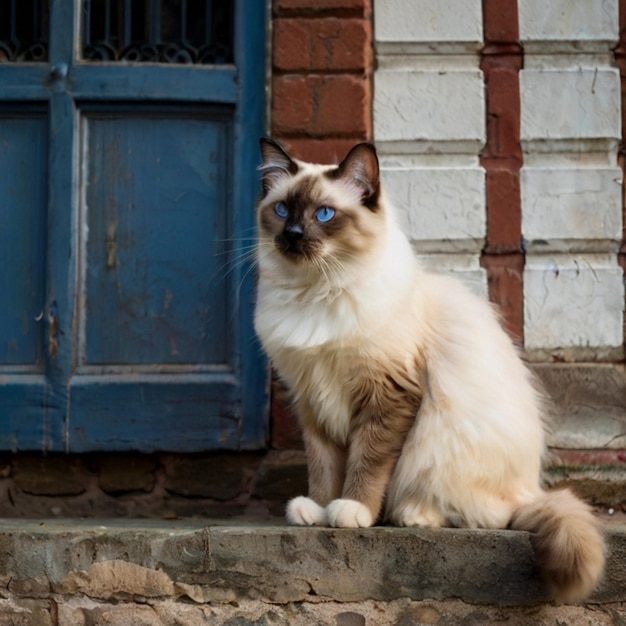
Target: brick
{"type": "Point", "coordinates": [503, 110]}
{"type": "Point", "coordinates": [318, 105]}
{"type": "Point", "coordinates": [292, 104]}
{"type": "Point", "coordinates": [217, 476]}
{"type": "Point", "coordinates": [52, 475]}
{"type": "Point", "coordinates": [356, 6]}
{"type": "Point", "coordinates": [504, 234]}
{"type": "Point", "coordinates": [127, 473]}
{"type": "Point", "coordinates": [590, 458]}
{"type": "Point", "coordinates": [502, 155]}
{"type": "Point", "coordinates": [328, 150]}
{"type": "Point", "coordinates": [506, 289]}
{"type": "Point", "coordinates": [322, 44]}
{"type": "Point", "coordinates": [500, 21]}
{"type": "Point", "coordinates": [291, 43]}
{"type": "Point", "coordinates": [282, 475]}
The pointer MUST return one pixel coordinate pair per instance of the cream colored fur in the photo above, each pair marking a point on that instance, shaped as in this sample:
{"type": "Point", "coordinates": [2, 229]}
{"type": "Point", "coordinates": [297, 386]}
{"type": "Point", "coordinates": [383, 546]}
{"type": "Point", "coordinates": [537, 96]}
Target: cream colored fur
{"type": "Point", "coordinates": [472, 456]}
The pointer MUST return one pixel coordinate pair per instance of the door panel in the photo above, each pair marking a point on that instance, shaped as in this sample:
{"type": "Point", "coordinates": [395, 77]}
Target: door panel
{"type": "Point", "coordinates": [25, 396]}
{"type": "Point", "coordinates": [155, 412]}
{"type": "Point", "coordinates": [155, 253]}
{"type": "Point", "coordinates": [23, 196]}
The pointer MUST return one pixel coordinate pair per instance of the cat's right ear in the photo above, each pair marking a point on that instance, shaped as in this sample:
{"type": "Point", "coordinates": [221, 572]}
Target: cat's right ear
{"type": "Point", "coordinates": [277, 164]}
{"type": "Point", "coordinates": [360, 169]}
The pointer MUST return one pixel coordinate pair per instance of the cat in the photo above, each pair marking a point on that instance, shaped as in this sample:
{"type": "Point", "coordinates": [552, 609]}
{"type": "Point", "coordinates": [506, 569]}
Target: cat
{"type": "Point", "coordinates": [415, 407]}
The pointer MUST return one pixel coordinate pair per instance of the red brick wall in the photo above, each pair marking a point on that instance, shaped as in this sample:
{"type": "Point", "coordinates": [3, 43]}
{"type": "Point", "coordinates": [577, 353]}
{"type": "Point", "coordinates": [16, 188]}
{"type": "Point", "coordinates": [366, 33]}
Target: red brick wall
{"type": "Point", "coordinates": [322, 59]}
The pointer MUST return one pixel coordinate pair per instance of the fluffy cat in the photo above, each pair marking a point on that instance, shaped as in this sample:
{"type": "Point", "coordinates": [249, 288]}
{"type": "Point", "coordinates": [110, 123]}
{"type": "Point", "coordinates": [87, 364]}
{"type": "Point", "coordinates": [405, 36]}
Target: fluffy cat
{"type": "Point", "coordinates": [414, 404]}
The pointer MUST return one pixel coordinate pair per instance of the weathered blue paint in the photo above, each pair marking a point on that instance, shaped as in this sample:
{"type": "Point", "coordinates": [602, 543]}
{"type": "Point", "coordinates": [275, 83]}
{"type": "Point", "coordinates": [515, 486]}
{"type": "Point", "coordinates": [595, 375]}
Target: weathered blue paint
{"type": "Point", "coordinates": [133, 186]}
{"type": "Point", "coordinates": [155, 285]}
{"type": "Point", "coordinates": [194, 83]}
{"type": "Point", "coordinates": [24, 193]}
{"type": "Point", "coordinates": [219, 84]}
{"type": "Point", "coordinates": [147, 412]}
{"type": "Point", "coordinates": [25, 392]}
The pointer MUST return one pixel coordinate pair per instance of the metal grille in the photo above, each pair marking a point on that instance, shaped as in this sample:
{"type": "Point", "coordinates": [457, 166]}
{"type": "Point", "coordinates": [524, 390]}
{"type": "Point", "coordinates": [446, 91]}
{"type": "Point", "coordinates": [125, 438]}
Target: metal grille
{"type": "Point", "coordinates": [24, 31]}
{"type": "Point", "coordinates": [158, 31]}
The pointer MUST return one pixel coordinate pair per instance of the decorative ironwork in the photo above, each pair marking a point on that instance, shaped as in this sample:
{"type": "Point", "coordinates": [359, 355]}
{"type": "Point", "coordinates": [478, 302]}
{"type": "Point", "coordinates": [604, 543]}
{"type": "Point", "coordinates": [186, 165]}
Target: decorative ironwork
{"type": "Point", "coordinates": [158, 31]}
{"type": "Point", "coordinates": [23, 31]}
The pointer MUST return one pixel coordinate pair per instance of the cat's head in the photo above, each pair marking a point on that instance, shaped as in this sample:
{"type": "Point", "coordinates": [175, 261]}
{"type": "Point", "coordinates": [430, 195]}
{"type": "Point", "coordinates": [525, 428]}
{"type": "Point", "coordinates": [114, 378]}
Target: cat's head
{"type": "Point", "coordinates": [309, 213]}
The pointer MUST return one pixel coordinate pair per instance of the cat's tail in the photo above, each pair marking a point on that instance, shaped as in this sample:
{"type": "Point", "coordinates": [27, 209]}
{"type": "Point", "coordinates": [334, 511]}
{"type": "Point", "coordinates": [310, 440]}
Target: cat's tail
{"type": "Point", "coordinates": [568, 543]}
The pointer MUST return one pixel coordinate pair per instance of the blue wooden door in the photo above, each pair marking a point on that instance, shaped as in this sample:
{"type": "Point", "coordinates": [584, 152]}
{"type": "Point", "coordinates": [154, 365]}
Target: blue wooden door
{"type": "Point", "coordinates": [128, 145]}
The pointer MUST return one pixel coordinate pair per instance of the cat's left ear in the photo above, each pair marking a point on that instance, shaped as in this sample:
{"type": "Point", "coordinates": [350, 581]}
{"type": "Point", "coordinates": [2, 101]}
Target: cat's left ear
{"type": "Point", "coordinates": [360, 169]}
{"type": "Point", "coordinates": [277, 164]}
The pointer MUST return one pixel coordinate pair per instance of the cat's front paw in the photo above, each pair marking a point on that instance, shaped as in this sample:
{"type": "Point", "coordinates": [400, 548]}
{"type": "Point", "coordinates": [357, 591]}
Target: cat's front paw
{"type": "Point", "coordinates": [302, 511]}
{"type": "Point", "coordinates": [348, 514]}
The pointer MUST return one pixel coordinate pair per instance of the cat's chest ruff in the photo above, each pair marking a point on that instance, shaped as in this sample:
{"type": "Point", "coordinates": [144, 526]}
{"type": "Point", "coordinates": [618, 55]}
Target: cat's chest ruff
{"type": "Point", "coordinates": [291, 318]}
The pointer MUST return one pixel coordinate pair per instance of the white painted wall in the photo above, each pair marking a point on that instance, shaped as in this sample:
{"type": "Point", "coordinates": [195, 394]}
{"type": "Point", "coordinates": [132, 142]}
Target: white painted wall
{"type": "Point", "coordinates": [571, 183]}
{"type": "Point", "coordinates": [429, 124]}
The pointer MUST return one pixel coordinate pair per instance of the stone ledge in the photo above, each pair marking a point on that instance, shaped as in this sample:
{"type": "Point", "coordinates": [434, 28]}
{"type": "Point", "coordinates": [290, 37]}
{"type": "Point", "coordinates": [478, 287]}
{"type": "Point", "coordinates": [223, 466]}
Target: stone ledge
{"type": "Point", "coordinates": [155, 572]}
{"type": "Point", "coordinates": [200, 563]}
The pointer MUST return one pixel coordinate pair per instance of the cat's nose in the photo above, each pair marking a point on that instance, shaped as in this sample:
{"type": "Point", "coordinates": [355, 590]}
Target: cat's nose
{"type": "Point", "coordinates": [293, 232]}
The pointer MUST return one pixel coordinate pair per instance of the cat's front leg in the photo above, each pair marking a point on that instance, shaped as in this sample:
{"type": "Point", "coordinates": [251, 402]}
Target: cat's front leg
{"type": "Point", "coordinates": [326, 467]}
{"type": "Point", "coordinates": [374, 450]}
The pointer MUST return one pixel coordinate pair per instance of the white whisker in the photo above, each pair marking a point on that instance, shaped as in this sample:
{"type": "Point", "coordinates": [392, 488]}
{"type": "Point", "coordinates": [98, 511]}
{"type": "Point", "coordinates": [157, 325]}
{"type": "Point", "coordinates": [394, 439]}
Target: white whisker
{"type": "Point", "coordinates": [245, 258]}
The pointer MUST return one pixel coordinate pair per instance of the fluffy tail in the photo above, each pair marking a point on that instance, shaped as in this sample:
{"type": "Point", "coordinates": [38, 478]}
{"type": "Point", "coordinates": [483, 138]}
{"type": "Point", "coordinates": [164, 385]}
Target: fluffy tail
{"type": "Point", "coordinates": [568, 542]}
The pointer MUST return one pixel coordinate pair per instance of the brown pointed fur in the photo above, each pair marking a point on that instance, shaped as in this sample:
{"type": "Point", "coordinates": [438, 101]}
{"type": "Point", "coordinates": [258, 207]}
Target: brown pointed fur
{"type": "Point", "coordinates": [569, 546]}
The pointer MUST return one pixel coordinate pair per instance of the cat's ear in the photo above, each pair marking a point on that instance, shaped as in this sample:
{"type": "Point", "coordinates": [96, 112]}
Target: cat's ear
{"type": "Point", "coordinates": [360, 169]}
{"type": "Point", "coordinates": [277, 164]}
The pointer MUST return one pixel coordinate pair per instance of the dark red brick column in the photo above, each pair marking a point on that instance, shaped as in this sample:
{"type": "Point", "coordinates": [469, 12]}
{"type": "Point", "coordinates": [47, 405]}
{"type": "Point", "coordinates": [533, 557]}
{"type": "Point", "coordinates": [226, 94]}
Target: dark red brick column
{"type": "Point", "coordinates": [503, 257]}
{"type": "Point", "coordinates": [321, 76]}
{"type": "Point", "coordinates": [321, 104]}
{"type": "Point", "coordinates": [620, 57]}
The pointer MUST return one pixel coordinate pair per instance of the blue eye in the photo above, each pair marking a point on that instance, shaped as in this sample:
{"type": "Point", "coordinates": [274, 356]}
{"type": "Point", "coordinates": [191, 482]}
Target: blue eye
{"type": "Point", "coordinates": [324, 214]}
{"type": "Point", "coordinates": [281, 210]}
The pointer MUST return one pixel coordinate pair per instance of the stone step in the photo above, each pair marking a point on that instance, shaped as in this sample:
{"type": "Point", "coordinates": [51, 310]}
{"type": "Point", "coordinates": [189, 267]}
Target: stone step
{"type": "Point", "coordinates": [197, 572]}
